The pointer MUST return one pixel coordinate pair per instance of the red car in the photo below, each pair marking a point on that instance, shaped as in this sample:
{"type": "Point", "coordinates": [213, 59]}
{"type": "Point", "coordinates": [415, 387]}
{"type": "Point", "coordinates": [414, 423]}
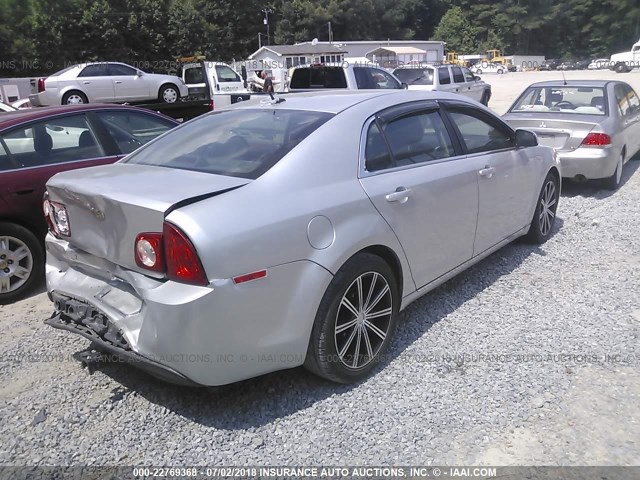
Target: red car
{"type": "Point", "coordinates": [37, 143]}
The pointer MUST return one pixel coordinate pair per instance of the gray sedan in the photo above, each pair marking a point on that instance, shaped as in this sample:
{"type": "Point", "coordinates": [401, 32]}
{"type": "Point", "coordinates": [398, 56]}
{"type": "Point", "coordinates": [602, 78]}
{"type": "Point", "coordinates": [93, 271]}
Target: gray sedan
{"type": "Point", "coordinates": [273, 235]}
{"type": "Point", "coordinates": [593, 125]}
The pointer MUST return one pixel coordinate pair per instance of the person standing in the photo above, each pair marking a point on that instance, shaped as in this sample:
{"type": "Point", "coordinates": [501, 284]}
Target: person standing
{"type": "Point", "coordinates": [267, 86]}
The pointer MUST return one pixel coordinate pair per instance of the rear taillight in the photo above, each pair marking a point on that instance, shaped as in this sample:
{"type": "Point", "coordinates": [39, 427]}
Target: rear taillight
{"type": "Point", "coordinates": [170, 252]}
{"type": "Point", "coordinates": [596, 140]}
{"type": "Point", "coordinates": [41, 86]}
{"type": "Point", "coordinates": [57, 219]}
{"type": "Point", "coordinates": [211, 106]}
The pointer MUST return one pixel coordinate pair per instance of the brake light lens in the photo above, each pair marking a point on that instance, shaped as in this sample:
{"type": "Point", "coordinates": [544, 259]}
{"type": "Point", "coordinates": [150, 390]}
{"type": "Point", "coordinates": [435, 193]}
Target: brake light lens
{"type": "Point", "coordinates": [211, 106]}
{"type": "Point", "coordinates": [183, 263]}
{"type": "Point", "coordinates": [596, 140]}
{"type": "Point", "coordinates": [41, 85]}
{"type": "Point", "coordinates": [57, 219]}
{"type": "Point", "coordinates": [170, 252]}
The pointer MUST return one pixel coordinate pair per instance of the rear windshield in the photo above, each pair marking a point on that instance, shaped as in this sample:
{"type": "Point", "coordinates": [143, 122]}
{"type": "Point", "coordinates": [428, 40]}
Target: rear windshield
{"type": "Point", "coordinates": [318, 77]}
{"type": "Point", "coordinates": [415, 76]}
{"type": "Point", "coordinates": [64, 70]}
{"type": "Point", "coordinates": [237, 143]}
{"type": "Point", "coordinates": [562, 99]}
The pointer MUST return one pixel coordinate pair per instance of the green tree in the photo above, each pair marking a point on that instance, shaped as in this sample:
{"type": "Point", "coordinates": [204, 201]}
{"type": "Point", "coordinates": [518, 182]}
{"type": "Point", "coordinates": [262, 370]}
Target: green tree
{"type": "Point", "coordinates": [456, 31]}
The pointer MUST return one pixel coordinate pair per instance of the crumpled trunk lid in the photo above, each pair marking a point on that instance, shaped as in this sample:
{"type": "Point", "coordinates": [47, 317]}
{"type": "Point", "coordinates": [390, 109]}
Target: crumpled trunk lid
{"type": "Point", "coordinates": [108, 206]}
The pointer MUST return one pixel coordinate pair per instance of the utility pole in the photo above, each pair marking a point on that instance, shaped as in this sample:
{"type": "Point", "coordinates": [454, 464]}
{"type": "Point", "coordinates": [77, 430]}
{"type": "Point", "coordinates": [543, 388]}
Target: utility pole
{"type": "Point", "coordinates": [330, 33]}
{"type": "Point", "coordinates": [267, 11]}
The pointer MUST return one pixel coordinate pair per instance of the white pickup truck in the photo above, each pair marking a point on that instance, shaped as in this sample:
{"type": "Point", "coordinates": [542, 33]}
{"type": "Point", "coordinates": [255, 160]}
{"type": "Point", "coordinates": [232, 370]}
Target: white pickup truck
{"type": "Point", "coordinates": [626, 61]}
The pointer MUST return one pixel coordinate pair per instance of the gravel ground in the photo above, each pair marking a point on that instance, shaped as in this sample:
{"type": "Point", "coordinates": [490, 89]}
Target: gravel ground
{"type": "Point", "coordinates": [530, 357]}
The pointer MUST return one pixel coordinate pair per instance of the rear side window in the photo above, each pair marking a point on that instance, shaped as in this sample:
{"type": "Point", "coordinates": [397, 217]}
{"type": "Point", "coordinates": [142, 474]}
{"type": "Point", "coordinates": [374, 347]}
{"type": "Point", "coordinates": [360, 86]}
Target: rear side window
{"type": "Point", "coordinates": [458, 77]}
{"type": "Point", "coordinates": [131, 130]}
{"type": "Point", "coordinates": [239, 143]}
{"type": "Point", "coordinates": [116, 69]}
{"type": "Point", "coordinates": [97, 70]}
{"type": "Point", "coordinates": [377, 156]}
{"type": "Point", "coordinates": [443, 76]}
{"type": "Point", "coordinates": [318, 77]}
{"type": "Point", "coordinates": [58, 140]}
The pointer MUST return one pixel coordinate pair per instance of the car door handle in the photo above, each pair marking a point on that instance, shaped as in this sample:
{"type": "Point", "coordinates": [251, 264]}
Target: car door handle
{"type": "Point", "coordinates": [118, 81]}
{"type": "Point", "coordinates": [487, 171]}
{"type": "Point", "coordinates": [86, 82]}
{"type": "Point", "coordinates": [23, 191]}
{"type": "Point", "coordinates": [400, 195]}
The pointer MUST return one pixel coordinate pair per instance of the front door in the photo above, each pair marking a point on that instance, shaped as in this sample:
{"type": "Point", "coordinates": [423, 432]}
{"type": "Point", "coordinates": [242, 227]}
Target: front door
{"type": "Point", "coordinates": [426, 191]}
{"type": "Point", "coordinates": [128, 85]}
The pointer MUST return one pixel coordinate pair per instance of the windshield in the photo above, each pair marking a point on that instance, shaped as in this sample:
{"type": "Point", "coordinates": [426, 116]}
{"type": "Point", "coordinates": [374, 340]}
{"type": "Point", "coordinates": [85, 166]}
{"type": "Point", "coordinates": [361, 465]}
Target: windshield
{"type": "Point", "coordinates": [237, 143]}
{"type": "Point", "coordinates": [415, 76]}
{"type": "Point", "coordinates": [562, 99]}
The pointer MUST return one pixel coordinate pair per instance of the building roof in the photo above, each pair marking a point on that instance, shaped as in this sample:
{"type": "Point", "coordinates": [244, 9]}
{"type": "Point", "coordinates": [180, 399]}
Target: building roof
{"type": "Point", "coordinates": [300, 49]}
{"type": "Point", "coordinates": [397, 50]}
{"type": "Point", "coordinates": [379, 42]}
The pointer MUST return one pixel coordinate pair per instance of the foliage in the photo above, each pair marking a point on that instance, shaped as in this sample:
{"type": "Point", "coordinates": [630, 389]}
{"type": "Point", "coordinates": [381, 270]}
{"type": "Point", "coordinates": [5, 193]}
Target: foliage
{"type": "Point", "coordinates": [41, 36]}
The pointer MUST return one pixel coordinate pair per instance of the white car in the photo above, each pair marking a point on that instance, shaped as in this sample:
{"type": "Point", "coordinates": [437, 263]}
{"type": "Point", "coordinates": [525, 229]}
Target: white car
{"type": "Point", "coordinates": [445, 78]}
{"type": "Point", "coordinates": [599, 64]}
{"type": "Point", "coordinates": [105, 83]}
{"type": "Point", "coordinates": [484, 67]}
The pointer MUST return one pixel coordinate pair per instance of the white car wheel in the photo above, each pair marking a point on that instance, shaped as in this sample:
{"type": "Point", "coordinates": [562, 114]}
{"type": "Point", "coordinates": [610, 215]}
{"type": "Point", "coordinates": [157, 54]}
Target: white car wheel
{"type": "Point", "coordinates": [169, 94]}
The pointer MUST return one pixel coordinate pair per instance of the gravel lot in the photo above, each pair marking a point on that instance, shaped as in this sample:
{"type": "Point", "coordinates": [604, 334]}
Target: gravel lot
{"type": "Point", "coordinates": [531, 357]}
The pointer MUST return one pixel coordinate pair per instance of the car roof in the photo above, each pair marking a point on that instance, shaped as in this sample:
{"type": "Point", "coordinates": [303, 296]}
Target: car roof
{"type": "Point", "coordinates": [573, 83]}
{"type": "Point", "coordinates": [10, 119]}
{"type": "Point", "coordinates": [336, 102]}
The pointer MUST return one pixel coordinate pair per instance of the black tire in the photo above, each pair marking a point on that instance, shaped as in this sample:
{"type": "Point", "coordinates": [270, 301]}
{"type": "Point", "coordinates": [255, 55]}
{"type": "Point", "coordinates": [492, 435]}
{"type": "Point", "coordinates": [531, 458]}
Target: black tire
{"type": "Point", "coordinates": [169, 94]}
{"type": "Point", "coordinates": [542, 226]}
{"type": "Point", "coordinates": [323, 357]}
{"type": "Point", "coordinates": [479, 71]}
{"type": "Point", "coordinates": [36, 252]}
{"type": "Point", "coordinates": [485, 98]}
{"type": "Point", "coordinates": [621, 68]}
{"type": "Point", "coordinates": [613, 182]}
{"type": "Point", "coordinates": [74, 94]}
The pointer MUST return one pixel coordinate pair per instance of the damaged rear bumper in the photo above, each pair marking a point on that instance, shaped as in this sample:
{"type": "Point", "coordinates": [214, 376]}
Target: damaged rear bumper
{"type": "Point", "coordinates": [87, 321]}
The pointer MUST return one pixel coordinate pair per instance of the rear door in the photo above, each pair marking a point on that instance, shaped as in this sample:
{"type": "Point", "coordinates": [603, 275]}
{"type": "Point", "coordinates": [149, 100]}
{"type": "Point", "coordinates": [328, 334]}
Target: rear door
{"type": "Point", "coordinates": [127, 84]}
{"type": "Point", "coordinates": [414, 174]}
{"type": "Point", "coordinates": [504, 174]}
{"type": "Point", "coordinates": [445, 81]}
{"type": "Point", "coordinates": [95, 81]}
{"type": "Point", "coordinates": [631, 119]}
{"type": "Point", "coordinates": [39, 150]}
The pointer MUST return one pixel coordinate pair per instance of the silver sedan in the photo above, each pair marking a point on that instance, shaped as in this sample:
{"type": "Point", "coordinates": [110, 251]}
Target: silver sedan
{"type": "Point", "coordinates": [274, 235]}
{"type": "Point", "coordinates": [593, 125]}
{"type": "Point", "coordinates": [105, 82]}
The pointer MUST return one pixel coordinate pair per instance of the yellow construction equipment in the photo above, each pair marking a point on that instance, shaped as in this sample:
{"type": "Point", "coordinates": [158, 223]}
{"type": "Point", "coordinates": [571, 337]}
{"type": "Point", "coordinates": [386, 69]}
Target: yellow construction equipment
{"type": "Point", "coordinates": [453, 59]}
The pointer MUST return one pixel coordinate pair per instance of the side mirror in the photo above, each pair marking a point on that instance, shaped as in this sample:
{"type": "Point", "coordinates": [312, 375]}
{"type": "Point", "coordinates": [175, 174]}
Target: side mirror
{"type": "Point", "coordinates": [525, 138]}
{"type": "Point", "coordinates": [139, 73]}
{"type": "Point", "coordinates": [476, 78]}
{"type": "Point", "coordinates": [405, 85]}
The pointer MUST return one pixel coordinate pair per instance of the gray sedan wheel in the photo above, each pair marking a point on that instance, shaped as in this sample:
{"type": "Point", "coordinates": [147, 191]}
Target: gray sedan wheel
{"type": "Point", "coordinates": [169, 94]}
{"type": "Point", "coordinates": [21, 261]}
{"type": "Point", "coordinates": [355, 321]}
{"type": "Point", "coordinates": [74, 98]}
{"type": "Point", "coordinates": [544, 216]}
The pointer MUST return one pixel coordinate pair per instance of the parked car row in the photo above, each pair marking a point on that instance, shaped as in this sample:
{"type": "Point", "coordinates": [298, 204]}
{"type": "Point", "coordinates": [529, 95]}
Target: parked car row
{"type": "Point", "coordinates": [291, 230]}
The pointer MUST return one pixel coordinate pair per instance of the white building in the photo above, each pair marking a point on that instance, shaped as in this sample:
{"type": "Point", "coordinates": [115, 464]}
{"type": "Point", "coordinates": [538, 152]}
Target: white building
{"type": "Point", "coordinates": [272, 57]}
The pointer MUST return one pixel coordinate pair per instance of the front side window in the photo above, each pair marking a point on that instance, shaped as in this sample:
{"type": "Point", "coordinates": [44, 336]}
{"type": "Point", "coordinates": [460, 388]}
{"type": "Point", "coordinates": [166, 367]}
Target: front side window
{"type": "Point", "coordinates": [562, 99]}
{"type": "Point", "coordinates": [468, 76]}
{"type": "Point", "coordinates": [225, 74]}
{"type": "Point", "coordinates": [131, 130]}
{"type": "Point", "coordinates": [238, 143]}
{"type": "Point", "coordinates": [479, 134]}
{"type": "Point", "coordinates": [373, 78]}
{"type": "Point", "coordinates": [443, 76]}
{"type": "Point", "coordinates": [117, 69]}
{"type": "Point", "coordinates": [58, 140]}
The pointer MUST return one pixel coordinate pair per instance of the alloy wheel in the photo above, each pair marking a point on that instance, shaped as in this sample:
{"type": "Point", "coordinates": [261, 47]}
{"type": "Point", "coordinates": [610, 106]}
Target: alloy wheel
{"type": "Point", "coordinates": [16, 264]}
{"type": "Point", "coordinates": [363, 320]}
{"type": "Point", "coordinates": [75, 100]}
{"type": "Point", "coordinates": [548, 203]}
